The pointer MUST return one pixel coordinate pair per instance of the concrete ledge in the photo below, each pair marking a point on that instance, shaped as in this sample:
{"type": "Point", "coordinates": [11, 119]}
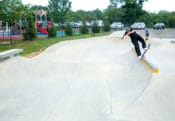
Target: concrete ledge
{"type": "Point", "coordinates": [150, 66]}
{"type": "Point", "coordinates": [10, 53]}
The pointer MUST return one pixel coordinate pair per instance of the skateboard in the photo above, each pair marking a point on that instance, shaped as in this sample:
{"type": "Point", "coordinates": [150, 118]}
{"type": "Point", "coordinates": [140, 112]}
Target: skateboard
{"type": "Point", "coordinates": [145, 51]}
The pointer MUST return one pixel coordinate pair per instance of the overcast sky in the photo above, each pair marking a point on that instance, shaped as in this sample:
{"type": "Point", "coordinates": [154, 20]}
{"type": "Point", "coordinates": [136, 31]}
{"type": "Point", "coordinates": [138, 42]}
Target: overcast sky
{"type": "Point", "coordinates": [151, 5]}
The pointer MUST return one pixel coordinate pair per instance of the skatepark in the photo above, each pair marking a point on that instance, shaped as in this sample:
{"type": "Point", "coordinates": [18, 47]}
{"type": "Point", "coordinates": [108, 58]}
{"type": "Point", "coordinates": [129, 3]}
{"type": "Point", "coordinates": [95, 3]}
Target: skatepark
{"type": "Point", "coordinates": [92, 79]}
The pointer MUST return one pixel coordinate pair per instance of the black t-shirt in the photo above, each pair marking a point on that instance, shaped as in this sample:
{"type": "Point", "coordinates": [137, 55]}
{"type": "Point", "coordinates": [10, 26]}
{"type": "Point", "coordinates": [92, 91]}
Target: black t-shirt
{"type": "Point", "coordinates": [135, 36]}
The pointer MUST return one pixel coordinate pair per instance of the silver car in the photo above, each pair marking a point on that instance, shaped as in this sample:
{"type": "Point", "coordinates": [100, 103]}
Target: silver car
{"type": "Point", "coordinates": [116, 25]}
{"type": "Point", "coordinates": [138, 25]}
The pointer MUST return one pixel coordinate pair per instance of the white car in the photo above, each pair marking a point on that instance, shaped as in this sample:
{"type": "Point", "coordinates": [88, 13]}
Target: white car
{"type": "Point", "coordinates": [138, 25]}
{"type": "Point", "coordinates": [98, 22]}
{"type": "Point", "coordinates": [116, 25]}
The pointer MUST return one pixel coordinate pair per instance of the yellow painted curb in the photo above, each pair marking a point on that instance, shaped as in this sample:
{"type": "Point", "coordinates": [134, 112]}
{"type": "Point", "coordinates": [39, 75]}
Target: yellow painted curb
{"type": "Point", "coordinates": [150, 66]}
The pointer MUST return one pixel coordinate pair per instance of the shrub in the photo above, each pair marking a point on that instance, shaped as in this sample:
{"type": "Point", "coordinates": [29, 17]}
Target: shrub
{"type": "Point", "coordinates": [84, 30]}
{"type": "Point", "coordinates": [95, 28]}
{"type": "Point", "coordinates": [52, 31]}
{"type": "Point", "coordinates": [30, 32]}
{"type": "Point", "coordinates": [106, 27]}
{"type": "Point", "coordinates": [68, 30]}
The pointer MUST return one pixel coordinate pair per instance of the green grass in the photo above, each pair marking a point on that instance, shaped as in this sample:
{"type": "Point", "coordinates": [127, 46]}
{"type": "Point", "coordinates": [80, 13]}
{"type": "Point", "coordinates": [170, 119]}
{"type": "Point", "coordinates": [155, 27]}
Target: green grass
{"type": "Point", "coordinates": [41, 44]}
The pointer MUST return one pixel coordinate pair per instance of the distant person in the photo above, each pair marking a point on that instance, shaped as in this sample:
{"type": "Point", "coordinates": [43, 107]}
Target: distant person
{"type": "Point", "coordinates": [135, 38]}
{"type": "Point", "coordinates": [146, 34]}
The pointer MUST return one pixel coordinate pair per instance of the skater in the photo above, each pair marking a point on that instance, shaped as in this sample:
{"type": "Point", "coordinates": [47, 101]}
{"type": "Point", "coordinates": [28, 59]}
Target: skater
{"type": "Point", "coordinates": [135, 38]}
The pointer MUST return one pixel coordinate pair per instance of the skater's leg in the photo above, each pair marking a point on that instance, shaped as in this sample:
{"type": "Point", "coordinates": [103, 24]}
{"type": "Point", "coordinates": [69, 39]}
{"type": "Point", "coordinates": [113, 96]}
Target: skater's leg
{"type": "Point", "coordinates": [136, 46]}
{"type": "Point", "coordinates": [142, 41]}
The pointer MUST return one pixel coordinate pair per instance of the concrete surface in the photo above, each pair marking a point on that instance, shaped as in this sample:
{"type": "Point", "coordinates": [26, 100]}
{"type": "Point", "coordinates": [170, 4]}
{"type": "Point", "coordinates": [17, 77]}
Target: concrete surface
{"type": "Point", "coordinates": [94, 79]}
{"type": "Point", "coordinates": [166, 33]}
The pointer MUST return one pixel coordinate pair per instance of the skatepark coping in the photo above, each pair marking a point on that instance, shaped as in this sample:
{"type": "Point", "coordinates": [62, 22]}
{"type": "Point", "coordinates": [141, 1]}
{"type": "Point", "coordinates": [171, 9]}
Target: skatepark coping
{"type": "Point", "coordinates": [148, 64]}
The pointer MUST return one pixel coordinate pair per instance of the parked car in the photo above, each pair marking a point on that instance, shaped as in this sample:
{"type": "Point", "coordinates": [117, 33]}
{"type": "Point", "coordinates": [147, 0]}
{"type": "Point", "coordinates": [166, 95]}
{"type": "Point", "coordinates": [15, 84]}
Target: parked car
{"type": "Point", "coordinates": [79, 23]}
{"type": "Point", "coordinates": [138, 25]}
{"type": "Point", "coordinates": [158, 26]}
{"type": "Point", "coordinates": [116, 25]}
{"type": "Point", "coordinates": [99, 23]}
{"type": "Point", "coordinates": [87, 23]}
{"type": "Point", "coordinates": [75, 24]}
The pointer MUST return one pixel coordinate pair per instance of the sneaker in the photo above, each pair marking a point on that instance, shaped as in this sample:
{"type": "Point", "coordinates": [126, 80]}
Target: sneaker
{"type": "Point", "coordinates": [139, 57]}
{"type": "Point", "coordinates": [146, 48]}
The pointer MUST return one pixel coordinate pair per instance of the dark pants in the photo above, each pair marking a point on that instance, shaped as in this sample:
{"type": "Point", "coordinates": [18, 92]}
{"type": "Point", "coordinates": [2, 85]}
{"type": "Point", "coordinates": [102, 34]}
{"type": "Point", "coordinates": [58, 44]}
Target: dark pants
{"type": "Point", "coordinates": [135, 41]}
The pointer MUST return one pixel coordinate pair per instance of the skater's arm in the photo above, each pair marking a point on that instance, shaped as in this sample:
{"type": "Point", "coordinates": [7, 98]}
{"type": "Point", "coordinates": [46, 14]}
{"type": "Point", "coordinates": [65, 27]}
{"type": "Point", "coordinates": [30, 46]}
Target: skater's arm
{"type": "Point", "coordinates": [127, 33]}
{"type": "Point", "coordinates": [124, 35]}
{"type": "Point", "coordinates": [130, 32]}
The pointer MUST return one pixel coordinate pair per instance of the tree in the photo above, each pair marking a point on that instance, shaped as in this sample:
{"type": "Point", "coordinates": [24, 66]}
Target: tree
{"type": "Point", "coordinates": [171, 19]}
{"type": "Point", "coordinates": [84, 28]}
{"type": "Point", "coordinates": [39, 7]}
{"type": "Point", "coordinates": [115, 3]}
{"type": "Point", "coordinates": [59, 7]}
{"type": "Point", "coordinates": [85, 15]}
{"type": "Point", "coordinates": [68, 30]}
{"type": "Point", "coordinates": [98, 14]}
{"type": "Point", "coordinates": [114, 14]}
{"type": "Point", "coordinates": [106, 27]}
{"type": "Point", "coordinates": [139, 2]}
{"type": "Point", "coordinates": [95, 28]}
{"type": "Point", "coordinates": [12, 9]}
{"type": "Point", "coordinates": [148, 18]}
{"type": "Point", "coordinates": [132, 11]}
{"type": "Point", "coordinates": [52, 31]}
{"type": "Point", "coordinates": [30, 32]}
{"type": "Point", "coordinates": [82, 15]}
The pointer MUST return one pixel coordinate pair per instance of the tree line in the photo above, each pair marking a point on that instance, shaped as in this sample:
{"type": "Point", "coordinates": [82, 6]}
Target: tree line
{"type": "Point", "coordinates": [125, 11]}
{"type": "Point", "coordinates": [59, 11]}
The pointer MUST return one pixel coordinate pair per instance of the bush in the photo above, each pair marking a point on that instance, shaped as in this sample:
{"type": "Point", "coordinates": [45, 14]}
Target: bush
{"type": "Point", "coordinates": [52, 31]}
{"type": "Point", "coordinates": [95, 28]}
{"type": "Point", "coordinates": [68, 30]}
{"type": "Point", "coordinates": [106, 27]}
{"type": "Point", "coordinates": [30, 32]}
{"type": "Point", "coordinates": [84, 30]}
